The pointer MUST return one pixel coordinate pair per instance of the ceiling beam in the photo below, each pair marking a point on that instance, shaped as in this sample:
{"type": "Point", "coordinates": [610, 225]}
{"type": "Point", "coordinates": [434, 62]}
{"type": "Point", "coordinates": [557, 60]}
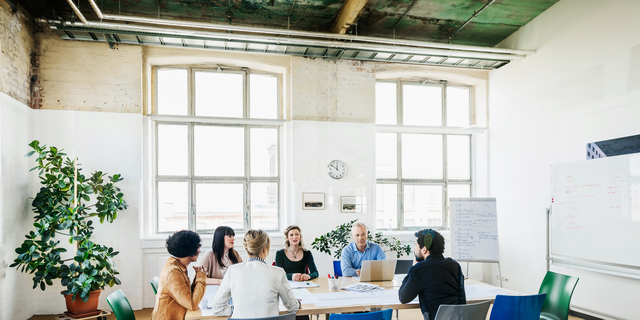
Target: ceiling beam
{"type": "Point", "coordinates": [348, 14]}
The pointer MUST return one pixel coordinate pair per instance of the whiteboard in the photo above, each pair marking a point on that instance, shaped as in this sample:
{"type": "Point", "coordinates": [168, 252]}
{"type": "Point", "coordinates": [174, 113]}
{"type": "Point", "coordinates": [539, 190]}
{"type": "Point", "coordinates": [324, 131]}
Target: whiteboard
{"type": "Point", "coordinates": [595, 210]}
{"type": "Point", "coordinates": [474, 229]}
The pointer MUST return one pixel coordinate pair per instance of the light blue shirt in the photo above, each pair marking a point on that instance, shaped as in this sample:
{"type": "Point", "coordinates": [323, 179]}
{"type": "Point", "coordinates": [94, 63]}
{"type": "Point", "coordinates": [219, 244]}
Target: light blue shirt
{"type": "Point", "coordinates": [352, 258]}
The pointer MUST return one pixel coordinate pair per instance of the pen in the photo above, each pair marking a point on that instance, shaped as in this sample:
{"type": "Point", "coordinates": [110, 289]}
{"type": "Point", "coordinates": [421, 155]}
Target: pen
{"type": "Point", "coordinates": [329, 275]}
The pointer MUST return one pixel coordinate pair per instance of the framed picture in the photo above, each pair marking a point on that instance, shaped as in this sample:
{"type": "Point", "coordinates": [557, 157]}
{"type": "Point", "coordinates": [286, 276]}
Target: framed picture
{"type": "Point", "coordinates": [351, 204]}
{"type": "Point", "coordinates": [312, 201]}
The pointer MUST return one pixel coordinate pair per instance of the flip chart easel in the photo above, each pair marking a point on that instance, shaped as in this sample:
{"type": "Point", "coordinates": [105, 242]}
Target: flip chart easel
{"type": "Point", "coordinates": [474, 231]}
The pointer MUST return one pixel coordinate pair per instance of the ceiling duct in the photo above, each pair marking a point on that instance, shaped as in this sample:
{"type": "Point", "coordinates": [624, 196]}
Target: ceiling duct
{"type": "Point", "coordinates": [300, 43]}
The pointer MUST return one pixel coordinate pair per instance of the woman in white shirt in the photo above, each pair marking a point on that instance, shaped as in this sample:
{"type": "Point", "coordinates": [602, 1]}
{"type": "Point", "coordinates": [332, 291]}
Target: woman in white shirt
{"type": "Point", "coordinates": [254, 285]}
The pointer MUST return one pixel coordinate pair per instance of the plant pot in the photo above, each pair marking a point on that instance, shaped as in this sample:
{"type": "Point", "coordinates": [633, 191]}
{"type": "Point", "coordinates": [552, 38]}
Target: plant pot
{"type": "Point", "coordinates": [78, 309]}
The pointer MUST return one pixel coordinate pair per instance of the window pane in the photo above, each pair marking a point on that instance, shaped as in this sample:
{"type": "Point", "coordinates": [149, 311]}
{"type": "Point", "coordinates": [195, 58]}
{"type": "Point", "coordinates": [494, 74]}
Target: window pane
{"type": "Point", "coordinates": [386, 155]}
{"type": "Point", "coordinates": [173, 206]}
{"type": "Point", "coordinates": [219, 94]}
{"type": "Point", "coordinates": [264, 206]}
{"type": "Point", "coordinates": [459, 191]}
{"type": "Point", "coordinates": [458, 106]}
{"type": "Point", "coordinates": [386, 206]}
{"type": "Point", "coordinates": [422, 105]}
{"type": "Point", "coordinates": [263, 96]}
{"type": "Point", "coordinates": [458, 157]}
{"type": "Point", "coordinates": [422, 206]}
{"type": "Point", "coordinates": [386, 103]}
{"type": "Point", "coordinates": [264, 152]}
{"type": "Point", "coordinates": [422, 156]}
{"type": "Point", "coordinates": [172, 91]}
{"type": "Point", "coordinates": [219, 204]}
{"type": "Point", "coordinates": [218, 151]}
{"type": "Point", "coordinates": [172, 150]}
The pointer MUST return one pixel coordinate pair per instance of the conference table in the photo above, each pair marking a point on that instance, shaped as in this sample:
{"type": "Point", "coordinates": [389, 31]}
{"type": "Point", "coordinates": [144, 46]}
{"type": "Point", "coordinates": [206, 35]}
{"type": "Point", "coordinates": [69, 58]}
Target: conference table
{"type": "Point", "coordinates": [348, 301]}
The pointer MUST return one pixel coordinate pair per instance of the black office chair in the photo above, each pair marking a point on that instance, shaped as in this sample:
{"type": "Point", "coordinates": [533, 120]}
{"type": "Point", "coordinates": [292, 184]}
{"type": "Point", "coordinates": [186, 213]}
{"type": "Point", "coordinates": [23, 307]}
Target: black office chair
{"type": "Point", "coordinates": [403, 266]}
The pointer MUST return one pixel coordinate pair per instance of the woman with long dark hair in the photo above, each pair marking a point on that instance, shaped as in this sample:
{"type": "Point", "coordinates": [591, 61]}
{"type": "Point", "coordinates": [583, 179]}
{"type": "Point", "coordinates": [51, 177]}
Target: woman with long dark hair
{"type": "Point", "coordinates": [221, 256]}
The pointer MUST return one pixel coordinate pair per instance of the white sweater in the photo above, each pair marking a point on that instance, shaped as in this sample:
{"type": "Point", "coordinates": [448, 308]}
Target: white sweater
{"type": "Point", "coordinates": [255, 288]}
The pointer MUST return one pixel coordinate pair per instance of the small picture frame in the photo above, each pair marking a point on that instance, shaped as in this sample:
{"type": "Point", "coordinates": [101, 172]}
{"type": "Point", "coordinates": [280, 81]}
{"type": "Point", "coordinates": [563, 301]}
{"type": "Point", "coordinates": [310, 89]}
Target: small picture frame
{"type": "Point", "coordinates": [312, 201]}
{"type": "Point", "coordinates": [351, 204]}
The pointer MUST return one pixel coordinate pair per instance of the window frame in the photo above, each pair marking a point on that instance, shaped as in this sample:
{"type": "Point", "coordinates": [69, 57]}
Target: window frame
{"type": "Point", "coordinates": [191, 121]}
{"type": "Point", "coordinates": [444, 131]}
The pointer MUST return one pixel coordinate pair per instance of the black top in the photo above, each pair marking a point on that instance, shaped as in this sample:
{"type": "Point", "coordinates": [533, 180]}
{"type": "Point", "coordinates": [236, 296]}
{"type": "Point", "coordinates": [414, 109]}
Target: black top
{"type": "Point", "coordinates": [436, 281]}
{"type": "Point", "coordinates": [291, 267]}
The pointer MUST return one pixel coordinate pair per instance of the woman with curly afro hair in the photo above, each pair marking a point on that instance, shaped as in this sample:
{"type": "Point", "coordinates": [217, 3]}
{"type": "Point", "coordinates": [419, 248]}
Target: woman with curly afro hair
{"type": "Point", "coordinates": [175, 294]}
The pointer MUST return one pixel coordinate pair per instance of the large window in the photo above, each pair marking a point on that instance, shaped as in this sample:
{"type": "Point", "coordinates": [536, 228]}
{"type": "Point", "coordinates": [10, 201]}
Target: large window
{"type": "Point", "coordinates": [217, 140]}
{"type": "Point", "coordinates": [423, 155]}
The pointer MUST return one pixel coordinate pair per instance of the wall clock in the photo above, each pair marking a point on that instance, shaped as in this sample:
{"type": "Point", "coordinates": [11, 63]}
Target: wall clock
{"type": "Point", "coordinates": [336, 169]}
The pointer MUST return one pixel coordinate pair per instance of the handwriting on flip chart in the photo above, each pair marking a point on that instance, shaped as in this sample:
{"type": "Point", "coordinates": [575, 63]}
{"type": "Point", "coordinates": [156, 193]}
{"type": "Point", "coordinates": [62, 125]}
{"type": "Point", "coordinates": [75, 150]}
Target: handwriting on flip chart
{"type": "Point", "coordinates": [474, 229]}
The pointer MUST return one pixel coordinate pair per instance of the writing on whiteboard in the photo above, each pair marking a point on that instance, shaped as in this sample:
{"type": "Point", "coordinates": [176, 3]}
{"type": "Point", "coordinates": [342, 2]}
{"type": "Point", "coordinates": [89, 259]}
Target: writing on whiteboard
{"type": "Point", "coordinates": [474, 229]}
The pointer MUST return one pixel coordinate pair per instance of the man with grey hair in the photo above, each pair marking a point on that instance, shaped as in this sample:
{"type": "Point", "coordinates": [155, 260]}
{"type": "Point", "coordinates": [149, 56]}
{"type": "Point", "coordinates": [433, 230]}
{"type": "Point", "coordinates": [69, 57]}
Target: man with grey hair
{"type": "Point", "coordinates": [359, 250]}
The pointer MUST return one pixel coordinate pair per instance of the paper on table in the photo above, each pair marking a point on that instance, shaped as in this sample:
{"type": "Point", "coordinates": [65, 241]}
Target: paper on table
{"type": "Point", "coordinates": [477, 291]}
{"type": "Point", "coordinates": [302, 284]}
{"type": "Point", "coordinates": [207, 300]}
{"type": "Point", "coordinates": [303, 295]}
{"type": "Point", "coordinates": [362, 287]}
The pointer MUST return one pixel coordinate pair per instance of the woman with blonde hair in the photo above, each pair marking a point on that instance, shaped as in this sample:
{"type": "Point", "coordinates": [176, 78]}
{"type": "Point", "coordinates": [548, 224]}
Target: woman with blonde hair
{"type": "Point", "coordinates": [254, 285]}
{"type": "Point", "coordinates": [294, 258]}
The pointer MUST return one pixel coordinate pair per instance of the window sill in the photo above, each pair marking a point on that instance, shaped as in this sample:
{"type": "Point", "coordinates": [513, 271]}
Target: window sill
{"type": "Point", "coordinates": [152, 242]}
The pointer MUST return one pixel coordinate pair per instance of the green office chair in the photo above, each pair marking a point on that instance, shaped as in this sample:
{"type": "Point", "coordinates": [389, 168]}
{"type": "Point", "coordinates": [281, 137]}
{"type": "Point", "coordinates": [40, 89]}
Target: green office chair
{"type": "Point", "coordinates": [559, 289]}
{"type": "Point", "coordinates": [154, 284]}
{"type": "Point", "coordinates": [120, 306]}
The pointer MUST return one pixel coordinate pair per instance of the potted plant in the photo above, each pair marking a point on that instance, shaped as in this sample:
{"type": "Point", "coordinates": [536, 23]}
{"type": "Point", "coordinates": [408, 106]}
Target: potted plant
{"type": "Point", "coordinates": [65, 206]}
{"type": "Point", "coordinates": [339, 238]}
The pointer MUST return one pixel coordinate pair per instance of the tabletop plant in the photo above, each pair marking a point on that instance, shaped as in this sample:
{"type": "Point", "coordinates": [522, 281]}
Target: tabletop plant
{"type": "Point", "coordinates": [340, 237]}
{"type": "Point", "coordinates": [59, 213]}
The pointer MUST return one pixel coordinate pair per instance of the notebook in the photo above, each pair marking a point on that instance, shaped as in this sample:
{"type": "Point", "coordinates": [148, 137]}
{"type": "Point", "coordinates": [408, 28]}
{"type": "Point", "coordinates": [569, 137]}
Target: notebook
{"type": "Point", "coordinates": [377, 270]}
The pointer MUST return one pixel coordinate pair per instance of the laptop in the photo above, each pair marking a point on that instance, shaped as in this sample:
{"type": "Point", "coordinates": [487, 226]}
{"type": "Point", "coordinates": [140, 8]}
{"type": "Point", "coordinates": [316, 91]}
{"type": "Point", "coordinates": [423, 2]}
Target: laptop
{"type": "Point", "coordinates": [376, 270]}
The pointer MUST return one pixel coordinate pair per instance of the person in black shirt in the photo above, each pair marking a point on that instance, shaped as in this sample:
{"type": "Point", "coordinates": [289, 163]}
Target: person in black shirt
{"type": "Point", "coordinates": [434, 279]}
{"type": "Point", "coordinates": [294, 259]}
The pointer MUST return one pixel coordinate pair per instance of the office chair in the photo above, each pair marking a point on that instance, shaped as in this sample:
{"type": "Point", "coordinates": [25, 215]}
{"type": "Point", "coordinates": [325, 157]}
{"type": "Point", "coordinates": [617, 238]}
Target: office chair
{"type": "Point", "coordinates": [154, 284]}
{"type": "Point", "coordinates": [476, 311]}
{"type": "Point", "coordinates": [559, 289]}
{"type": "Point", "coordinates": [377, 315]}
{"type": "Point", "coordinates": [337, 268]}
{"type": "Point", "coordinates": [517, 307]}
{"type": "Point", "coordinates": [120, 306]}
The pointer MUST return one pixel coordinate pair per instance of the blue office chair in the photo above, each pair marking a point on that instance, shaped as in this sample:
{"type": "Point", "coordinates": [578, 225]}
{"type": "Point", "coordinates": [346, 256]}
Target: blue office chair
{"type": "Point", "coordinates": [378, 315]}
{"type": "Point", "coordinates": [288, 316]}
{"type": "Point", "coordinates": [337, 268]}
{"type": "Point", "coordinates": [475, 311]}
{"type": "Point", "coordinates": [517, 307]}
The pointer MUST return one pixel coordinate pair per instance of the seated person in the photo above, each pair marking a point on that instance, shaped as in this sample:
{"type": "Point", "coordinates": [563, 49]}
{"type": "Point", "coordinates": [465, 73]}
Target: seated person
{"type": "Point", "coordinates": [294, 259]}
{"type": "Point", "coordinates": [254, 286]}
{"type": "Point", "coordinates": [221, 255]}
{"type": "Point", "coordinates": [433, 278]}
{"type": "Point", "coordinates": [176, 295]}
{"type": "Point", "coordinates": [359, 250]}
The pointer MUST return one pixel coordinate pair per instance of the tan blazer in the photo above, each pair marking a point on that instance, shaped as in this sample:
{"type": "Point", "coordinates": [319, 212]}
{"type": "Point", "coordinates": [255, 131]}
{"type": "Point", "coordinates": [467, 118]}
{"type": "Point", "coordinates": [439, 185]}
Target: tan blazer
{"type": "Point", "coordinates": [214, 270]}
{"type": "Point", "coordinates": [176, 295]}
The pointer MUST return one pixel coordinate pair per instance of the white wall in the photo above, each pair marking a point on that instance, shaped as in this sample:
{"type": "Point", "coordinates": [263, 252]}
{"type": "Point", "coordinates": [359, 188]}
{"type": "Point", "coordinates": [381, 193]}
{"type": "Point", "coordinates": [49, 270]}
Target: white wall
{"type": "Point", "coordinates": [108, 142]}
{"type": "Point", "coordinates": [15, 215]}
{"type": "Point", "coordinates": [582, 85]}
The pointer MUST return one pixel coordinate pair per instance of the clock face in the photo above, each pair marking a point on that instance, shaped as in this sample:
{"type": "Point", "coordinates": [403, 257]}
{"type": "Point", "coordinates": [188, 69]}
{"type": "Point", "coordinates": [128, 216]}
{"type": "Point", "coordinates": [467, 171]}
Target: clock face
{"type": "Point", "coordinates": [336, 169]}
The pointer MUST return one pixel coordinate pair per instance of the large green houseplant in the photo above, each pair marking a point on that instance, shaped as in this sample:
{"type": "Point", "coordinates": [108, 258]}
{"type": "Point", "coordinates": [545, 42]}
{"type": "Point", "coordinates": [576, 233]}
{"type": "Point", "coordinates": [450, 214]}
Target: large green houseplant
{"type": "Point", "coordinates": [340, 237]}
{"type": "Point", "coordinates": [66, 205]}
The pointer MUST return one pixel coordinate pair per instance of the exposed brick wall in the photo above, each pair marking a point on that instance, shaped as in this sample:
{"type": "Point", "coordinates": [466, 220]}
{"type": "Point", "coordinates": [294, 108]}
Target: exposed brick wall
{"type": "Point", "coordinates": [16, 45]}
{"type": "Point", "coordinates": [86, 76]}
